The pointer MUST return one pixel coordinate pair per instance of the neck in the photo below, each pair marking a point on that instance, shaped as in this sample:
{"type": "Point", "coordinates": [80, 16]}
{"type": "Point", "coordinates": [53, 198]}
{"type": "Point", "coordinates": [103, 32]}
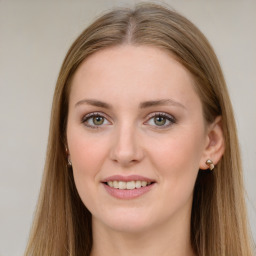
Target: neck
{"type": "Point", "coordinates": [166, 239]}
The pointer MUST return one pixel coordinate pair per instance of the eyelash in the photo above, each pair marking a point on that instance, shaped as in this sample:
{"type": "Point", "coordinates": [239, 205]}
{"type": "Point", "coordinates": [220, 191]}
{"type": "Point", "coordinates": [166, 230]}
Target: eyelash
{"type": "Point", "coordinates": [168, 117]}
{"type": "Point", "coordinates": [91, 115]}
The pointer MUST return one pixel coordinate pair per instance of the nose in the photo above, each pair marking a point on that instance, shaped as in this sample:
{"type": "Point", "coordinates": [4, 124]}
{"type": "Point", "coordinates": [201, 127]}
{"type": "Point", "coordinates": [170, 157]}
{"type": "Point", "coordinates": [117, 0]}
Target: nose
{"type": "Point", "coordinates": [126, 149]}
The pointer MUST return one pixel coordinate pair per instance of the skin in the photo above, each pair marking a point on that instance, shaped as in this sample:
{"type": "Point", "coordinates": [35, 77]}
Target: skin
{"type": "Point", "coordinates": [130, 141]}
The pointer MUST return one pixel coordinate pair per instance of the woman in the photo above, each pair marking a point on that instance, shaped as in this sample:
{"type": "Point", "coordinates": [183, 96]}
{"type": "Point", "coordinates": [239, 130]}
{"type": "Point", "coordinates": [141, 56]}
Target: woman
{"type": "Point", "coordinates": [142, 157]}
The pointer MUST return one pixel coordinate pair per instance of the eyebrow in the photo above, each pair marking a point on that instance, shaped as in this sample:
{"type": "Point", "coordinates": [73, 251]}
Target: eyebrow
{"type": "Point", "coordinates": [146, 104]}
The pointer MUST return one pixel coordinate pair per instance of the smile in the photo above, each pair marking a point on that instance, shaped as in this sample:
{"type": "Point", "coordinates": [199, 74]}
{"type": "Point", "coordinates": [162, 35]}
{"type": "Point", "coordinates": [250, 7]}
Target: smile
{"type": "Point", "coordinates": [128, 185]}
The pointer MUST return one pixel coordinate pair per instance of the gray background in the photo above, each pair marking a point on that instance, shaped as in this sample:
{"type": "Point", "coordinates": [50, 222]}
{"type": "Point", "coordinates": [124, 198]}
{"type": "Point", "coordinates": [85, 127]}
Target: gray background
{"type": "Point", "coordinates": [34, 38]}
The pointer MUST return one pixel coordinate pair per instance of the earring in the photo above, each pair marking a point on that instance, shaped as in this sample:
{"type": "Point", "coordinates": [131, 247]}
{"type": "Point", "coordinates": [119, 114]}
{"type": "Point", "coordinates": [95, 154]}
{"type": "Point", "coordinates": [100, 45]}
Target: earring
{"type": "Point", "coordinates": [69, 162]}
{"type": "Point", "coordinates": [67, 153]}
{"type": "Point", "coordinates": [66, 150]}
{"type": "Point", "coordinates": [210, 164]}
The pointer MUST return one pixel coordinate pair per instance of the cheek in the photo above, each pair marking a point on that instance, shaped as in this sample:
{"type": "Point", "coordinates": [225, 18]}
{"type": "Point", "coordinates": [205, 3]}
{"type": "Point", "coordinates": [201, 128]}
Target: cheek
{"type": "Point", "coordinates": [179, 152]}
{"type": "Point", "coordinates": [87, 154]}
{"type": "Point", "coordinates": [178, 158]}
{"type": "Point", "coordinates": [177, 164]}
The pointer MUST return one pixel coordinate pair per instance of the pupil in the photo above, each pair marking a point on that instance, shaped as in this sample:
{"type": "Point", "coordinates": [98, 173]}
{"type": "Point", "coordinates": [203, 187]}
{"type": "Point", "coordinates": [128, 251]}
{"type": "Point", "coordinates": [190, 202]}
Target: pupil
{"type": "Point", "coordinates": [98, 120]}
{"type": "Point", "coordinates": [160, 120]}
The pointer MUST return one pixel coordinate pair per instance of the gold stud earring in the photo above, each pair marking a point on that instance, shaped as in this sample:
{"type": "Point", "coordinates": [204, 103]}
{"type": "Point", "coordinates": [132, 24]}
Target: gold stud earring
{"type": "Point", "coordinates": [210, 164]}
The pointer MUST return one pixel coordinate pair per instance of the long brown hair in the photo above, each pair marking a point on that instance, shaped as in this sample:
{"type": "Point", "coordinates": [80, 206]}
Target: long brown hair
{"type": "Point", "coordinates": [62, 224]}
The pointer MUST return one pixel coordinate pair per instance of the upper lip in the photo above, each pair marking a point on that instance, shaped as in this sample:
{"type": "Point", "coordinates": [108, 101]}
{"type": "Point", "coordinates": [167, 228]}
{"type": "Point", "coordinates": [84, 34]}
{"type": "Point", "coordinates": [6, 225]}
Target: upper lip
{"type": "Point", "coordinates": [127, 178]}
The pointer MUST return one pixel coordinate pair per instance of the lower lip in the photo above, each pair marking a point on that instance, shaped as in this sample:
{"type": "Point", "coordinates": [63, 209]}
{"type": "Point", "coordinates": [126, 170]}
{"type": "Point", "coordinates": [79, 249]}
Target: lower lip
{"type": "Point", "coordinates": [128, 193]}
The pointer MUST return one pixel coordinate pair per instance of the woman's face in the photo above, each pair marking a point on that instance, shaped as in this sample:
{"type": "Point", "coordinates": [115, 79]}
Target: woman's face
{"type": "Point", "coordinates": [136, 138]}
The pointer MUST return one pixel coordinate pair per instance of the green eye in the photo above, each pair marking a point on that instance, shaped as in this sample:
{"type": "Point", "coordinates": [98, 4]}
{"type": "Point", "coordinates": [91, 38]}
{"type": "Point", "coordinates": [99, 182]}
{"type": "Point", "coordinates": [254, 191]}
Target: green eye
{"type": "Point", "coordinates": [95, 120]}
{"type": "Point", "coordinates": [159, 120]}
{"type": "Point", "coordinates": [98, 120]}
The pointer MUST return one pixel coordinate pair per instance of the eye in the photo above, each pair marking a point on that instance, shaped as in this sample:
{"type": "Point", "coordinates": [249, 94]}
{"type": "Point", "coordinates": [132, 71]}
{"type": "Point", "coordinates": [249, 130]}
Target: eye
{"type": "Point", "coordinates": [161, 120]}
{"type": "Point", "coordinates": [95, 120]}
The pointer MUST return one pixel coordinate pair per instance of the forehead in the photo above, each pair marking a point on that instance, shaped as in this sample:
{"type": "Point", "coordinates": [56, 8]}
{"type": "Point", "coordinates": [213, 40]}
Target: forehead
{"type": "Point", "coordinates": [137, 72]}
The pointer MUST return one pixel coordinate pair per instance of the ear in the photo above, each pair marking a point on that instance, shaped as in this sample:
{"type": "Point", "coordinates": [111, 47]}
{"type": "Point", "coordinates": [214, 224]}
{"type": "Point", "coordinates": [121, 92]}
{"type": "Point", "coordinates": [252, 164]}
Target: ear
{"type": "Point", "coordinates": [215, 144]}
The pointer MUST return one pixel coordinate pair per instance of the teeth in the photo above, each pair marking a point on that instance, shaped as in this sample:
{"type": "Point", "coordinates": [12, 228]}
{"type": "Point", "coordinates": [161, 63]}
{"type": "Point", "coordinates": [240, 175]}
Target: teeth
{"type": "Point", "coordinates": [138, 184]}
{"type": "Point", "coordinates": [143, 183]}
{"type": "Point", "coordinates": [115, 184]}
{"type": "Point", "coordinates": [121, 185]}
{"type": "Point", "coordinates": [128, 185]}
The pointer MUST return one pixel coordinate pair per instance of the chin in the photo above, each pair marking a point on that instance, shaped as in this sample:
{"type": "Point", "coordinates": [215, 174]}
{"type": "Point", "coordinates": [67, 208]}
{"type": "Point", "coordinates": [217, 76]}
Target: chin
{"type": "Point", "coordinates": [126, 222]}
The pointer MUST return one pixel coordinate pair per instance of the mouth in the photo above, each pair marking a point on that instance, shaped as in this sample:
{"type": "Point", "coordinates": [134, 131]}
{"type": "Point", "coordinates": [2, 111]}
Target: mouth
{"type": "Point", "coordinates": [128, 187]}
{"type": "Point", "coordinates": [134, 184]}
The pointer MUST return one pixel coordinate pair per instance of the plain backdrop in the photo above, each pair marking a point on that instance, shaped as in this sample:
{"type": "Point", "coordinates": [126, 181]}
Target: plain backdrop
{"type": "Point", "coordinates": [34, 38]}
